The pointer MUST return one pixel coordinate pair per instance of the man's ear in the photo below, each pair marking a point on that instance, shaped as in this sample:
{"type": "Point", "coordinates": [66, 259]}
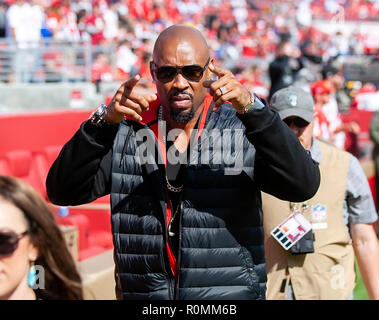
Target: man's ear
{"type": "Point", "coordinates": [208, 73]}
{"type": "Point", "coordinates": [152, 73]}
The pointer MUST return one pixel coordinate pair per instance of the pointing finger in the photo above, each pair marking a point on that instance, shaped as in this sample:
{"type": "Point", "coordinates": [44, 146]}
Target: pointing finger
{"type": "Point", "coordinates": [218, 71]}
{"type": "Point", "coordinates": [129, 84]}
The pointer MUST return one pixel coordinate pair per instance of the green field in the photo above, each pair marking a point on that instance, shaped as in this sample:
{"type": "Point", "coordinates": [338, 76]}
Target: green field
{"type": "Point", "coordinates": [360, 292]}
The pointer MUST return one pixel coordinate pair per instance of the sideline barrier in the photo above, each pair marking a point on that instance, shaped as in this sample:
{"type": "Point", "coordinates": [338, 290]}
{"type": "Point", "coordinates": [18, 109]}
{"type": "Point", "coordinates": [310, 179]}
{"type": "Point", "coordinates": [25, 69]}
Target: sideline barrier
{"type": "Point", "coordinates": [36, 131]}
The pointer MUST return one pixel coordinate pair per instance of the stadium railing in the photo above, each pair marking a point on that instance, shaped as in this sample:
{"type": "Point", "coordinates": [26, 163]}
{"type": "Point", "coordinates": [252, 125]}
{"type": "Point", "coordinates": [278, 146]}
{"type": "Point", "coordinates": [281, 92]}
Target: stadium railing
{"type": "Point", "coordinates": [50, 60]}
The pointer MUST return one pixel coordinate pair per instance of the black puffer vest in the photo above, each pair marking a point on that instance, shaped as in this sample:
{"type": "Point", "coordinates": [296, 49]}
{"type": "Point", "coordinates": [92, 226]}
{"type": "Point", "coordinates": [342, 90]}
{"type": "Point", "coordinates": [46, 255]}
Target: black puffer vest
{"type": "Point", "coordinates": [221, 253]}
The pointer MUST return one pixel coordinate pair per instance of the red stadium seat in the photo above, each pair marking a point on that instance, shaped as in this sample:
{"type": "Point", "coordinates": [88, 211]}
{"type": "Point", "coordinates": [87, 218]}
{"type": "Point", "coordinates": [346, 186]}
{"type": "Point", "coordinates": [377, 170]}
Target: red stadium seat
{"type": "Point", "coordinates": [19, 162]}
{"type": "Point", "coordinates": [4, 167]}
{"type": "Point", "coordinates": [51, 153]}
{"type": "Point", "coordinates": [22, 165]}
{"type": "Point", "coordinates": [43, 161]}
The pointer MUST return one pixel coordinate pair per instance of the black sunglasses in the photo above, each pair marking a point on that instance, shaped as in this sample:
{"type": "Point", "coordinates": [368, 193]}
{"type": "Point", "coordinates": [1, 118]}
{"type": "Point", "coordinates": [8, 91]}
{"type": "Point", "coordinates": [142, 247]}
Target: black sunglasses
{"type": "Point", "coordinates": [298, 122]}
{"type": "Point", "coordinates": [9, 241]}
{"type": "Point", "coordinates": [192, 72]}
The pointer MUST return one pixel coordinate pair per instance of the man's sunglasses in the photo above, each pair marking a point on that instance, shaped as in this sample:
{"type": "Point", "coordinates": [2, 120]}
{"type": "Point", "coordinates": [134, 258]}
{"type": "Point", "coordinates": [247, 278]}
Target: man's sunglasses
{"type": "Point", "coordinates": [298, 122]}
{"type": "Point", "coordinates": [192, 72]}
{"type": "Point", "coordinates": [9, 241]}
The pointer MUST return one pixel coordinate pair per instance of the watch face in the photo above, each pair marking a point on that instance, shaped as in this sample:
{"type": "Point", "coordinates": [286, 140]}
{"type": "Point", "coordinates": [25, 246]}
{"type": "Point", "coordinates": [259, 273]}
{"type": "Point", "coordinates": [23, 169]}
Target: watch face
{"type": "Point", "coordinates": [96, 116]}
{"type": "Point", "coordinates": [101, 110]}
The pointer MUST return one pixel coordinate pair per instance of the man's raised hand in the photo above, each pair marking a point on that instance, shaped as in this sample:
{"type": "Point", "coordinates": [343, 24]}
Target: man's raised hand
{"type": "Point", "coordinates": [126, 102]}
{"type": "Point", "coordinates": [227, 88]}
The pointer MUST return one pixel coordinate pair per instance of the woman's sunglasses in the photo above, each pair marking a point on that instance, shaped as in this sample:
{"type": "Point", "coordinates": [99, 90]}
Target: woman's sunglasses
{"type": "Point", "coordinates": [9, 241]}
{"type": "Point", "coordinates": [298, 122]}
{"type": "Point", "coordinates": [192, 72]}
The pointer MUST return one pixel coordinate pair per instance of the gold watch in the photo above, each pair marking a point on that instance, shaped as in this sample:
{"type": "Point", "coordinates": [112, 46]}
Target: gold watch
{"type": "Point", "coordinates": [255, 103]}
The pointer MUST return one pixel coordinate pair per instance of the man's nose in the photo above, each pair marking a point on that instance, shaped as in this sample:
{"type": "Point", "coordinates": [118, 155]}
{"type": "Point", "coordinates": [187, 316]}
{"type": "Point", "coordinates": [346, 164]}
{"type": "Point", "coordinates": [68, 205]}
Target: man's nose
{"type": "Point", "coordinates": [180, 82]}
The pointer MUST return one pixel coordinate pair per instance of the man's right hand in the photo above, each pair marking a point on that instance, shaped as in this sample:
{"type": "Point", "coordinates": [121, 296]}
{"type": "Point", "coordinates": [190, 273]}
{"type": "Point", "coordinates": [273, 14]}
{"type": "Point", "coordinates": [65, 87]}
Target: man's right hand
{"type": "Point", "coordinates": [126, 102]}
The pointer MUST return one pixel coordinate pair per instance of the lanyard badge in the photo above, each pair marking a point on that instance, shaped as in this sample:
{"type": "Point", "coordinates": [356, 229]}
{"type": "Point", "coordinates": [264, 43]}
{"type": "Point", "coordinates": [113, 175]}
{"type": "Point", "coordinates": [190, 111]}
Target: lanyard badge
{"type": "Point", "coordinates": [293, 228]}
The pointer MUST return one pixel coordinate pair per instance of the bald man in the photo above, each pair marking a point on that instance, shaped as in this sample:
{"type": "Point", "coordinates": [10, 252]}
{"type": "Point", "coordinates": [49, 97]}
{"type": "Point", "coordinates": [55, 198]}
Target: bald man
{"type": "Point", "coordinates": [184, 168]}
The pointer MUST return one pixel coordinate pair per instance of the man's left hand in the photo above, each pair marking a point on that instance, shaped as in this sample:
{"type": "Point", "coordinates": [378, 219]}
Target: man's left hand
{"type": "Point", "coordinates": [227, 88]}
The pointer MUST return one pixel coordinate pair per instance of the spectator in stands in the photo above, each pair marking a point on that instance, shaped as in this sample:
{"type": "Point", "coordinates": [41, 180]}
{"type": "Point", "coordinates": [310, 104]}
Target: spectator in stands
{"type": "Point", "coordinates": [68, 27]}
{"type": "Point", "coordinates": [101, 69]}
{"type": "Point", "coordinates": [284, 68]}
{"type": "Point", "coordinates": [95, 24]}
{"type": "Point", "coordinates": [105, 22]}
{"type": "Point", "coordinates": [110, 16]}
{"type": "Point", "coordinates": [341, 214]}
{"type": "Point", "coordinates": [340, 98]}
{"type": "Point", "coordinates": [25, 21]}
{"type": "Point", "coordinates": [197, 223]}
{"type": "Point", "coordinates": [252, 78]}
{"type": "Point", "coordinates": [226, 51]}
{"type": "Point", "coordinates": [321, 91]}
{"type": "Point", "coordinates": [35, 262]}
{"type": "Point", "coordinates": [328, 124]}
{"type": "Point", "coordinates": [126, 60]}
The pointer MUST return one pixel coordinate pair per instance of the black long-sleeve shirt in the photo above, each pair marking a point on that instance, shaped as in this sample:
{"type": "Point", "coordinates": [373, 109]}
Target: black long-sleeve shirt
{"type": "Point", "coordinates": [283, 168]}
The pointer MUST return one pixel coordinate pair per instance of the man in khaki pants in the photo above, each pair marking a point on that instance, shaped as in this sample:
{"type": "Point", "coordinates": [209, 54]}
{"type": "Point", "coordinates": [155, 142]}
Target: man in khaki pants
{"type": "Point", "coordinates": [321, 266]}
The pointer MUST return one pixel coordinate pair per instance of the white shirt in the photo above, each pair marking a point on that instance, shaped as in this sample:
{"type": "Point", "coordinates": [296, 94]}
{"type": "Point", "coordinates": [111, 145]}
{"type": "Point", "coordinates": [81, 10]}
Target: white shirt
{"type": "Point", "coordinates": [111, 24]}
{"type": "Point", "coordinates": [331, 112]}
{"type": "Point", "coordinates": [126, 59]}
{"type": "Point", "coordinates": [26, 21]}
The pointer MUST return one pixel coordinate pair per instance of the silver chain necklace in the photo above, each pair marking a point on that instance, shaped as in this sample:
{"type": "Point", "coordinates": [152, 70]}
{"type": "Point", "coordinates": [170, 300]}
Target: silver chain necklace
{"type": "Point", "coordinates": [160, 119]}
{"type": "Point", "coordinates": [169, 186]}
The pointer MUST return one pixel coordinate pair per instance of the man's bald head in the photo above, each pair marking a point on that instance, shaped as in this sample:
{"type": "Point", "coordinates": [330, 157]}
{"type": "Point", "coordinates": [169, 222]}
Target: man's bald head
{"type": "Point", "coordinates": [179, 46]}
{"type": "Point", "coordinates": [177, 35]}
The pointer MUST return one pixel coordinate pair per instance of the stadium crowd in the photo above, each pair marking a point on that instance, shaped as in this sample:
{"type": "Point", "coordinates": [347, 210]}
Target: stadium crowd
{"type": "Point", "coordinates": [238, 31]}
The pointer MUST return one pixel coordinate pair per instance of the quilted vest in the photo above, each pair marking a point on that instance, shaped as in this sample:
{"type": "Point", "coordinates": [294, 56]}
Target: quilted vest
{"type": "Point", "coordinates": [221, 253]}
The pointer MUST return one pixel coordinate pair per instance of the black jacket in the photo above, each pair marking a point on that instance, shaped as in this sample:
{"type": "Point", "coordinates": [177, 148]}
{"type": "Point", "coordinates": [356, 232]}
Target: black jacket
{"type": "Point", "coordinates": [282, 74]}
{"type": "Point", "coordinates": [221, 237]}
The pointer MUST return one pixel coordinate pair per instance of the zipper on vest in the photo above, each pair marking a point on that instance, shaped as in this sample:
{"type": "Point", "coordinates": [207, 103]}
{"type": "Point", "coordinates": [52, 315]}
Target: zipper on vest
{"type": "Point", "coordinates": [179, 252]}
{"type": "Point", "coordinates": [171, 279]}
{"type": "Point", "coordinates": [170, 276]}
